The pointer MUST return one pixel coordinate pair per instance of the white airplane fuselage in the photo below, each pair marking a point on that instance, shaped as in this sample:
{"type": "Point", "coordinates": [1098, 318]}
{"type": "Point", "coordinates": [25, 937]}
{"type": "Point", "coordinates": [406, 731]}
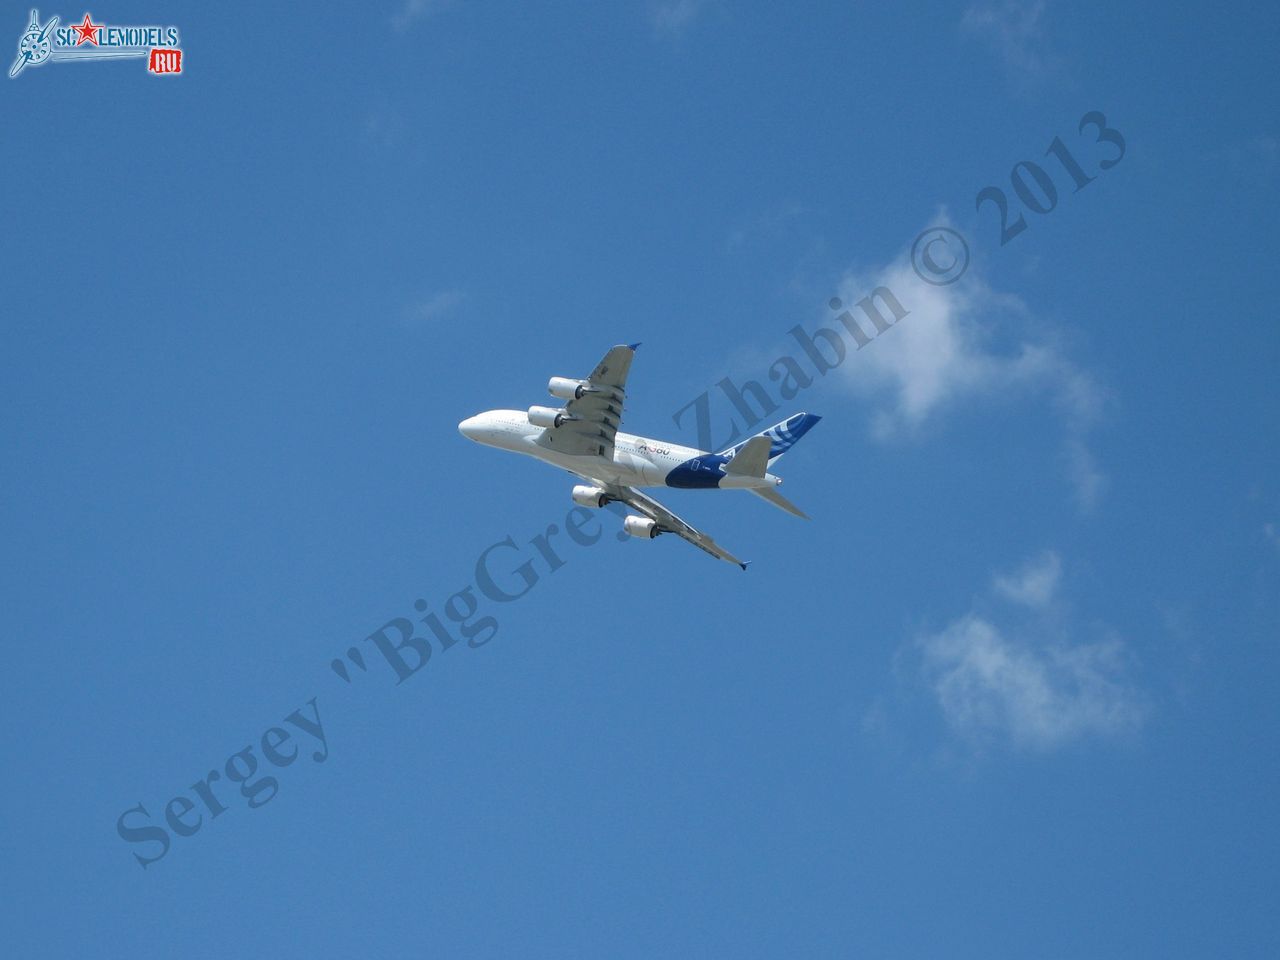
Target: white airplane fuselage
{"type": "Point", "coordinates": [636, 461]}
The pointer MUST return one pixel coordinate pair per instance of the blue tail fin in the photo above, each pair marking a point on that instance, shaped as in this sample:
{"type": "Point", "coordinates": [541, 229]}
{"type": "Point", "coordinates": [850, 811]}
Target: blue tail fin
{"type": "Point", "coordinates": [782, 436]}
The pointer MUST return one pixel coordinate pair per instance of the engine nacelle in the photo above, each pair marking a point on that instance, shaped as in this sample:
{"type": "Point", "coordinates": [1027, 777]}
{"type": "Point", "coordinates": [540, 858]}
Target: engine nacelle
{"type": "Point", "coordinates": [549, 416]}
{"type": "Point", "coordinates": [593, 497]}
{"type": "Point", "coordinates": [566, 389]}
{"type": "Point", "coordinates": [641, 527]}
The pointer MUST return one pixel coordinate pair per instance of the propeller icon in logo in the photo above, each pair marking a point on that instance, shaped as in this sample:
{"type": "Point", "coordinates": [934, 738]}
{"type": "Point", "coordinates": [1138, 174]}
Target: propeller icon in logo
{"type": "Point", "coordinates": [35, 47]}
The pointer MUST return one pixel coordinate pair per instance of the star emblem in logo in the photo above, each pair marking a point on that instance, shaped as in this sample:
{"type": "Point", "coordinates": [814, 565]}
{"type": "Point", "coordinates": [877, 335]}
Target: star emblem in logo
{"type": "Point", "coordinates": [88, 31]}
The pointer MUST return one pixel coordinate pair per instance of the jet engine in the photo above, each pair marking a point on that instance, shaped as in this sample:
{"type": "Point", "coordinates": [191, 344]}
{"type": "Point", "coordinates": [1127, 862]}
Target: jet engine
{"type": "Point", "coordinates": [549, 416]}
{"type": "Point", "coordinates": [641, 527]}
{"type": "Point", "coordinates": [593, 497]}
{"type": "Point", "coordinates": [566, 389]}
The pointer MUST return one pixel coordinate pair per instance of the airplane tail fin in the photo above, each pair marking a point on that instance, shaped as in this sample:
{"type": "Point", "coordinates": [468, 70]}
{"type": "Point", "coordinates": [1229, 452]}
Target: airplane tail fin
{"type": "Point", "coordinates": [778, 500]}
{"type": "Point", "coordinates": [782, 436]}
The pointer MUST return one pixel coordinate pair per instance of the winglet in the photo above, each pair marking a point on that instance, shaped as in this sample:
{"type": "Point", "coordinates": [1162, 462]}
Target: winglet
{"type": "Point", "coordinates": [634, 346]}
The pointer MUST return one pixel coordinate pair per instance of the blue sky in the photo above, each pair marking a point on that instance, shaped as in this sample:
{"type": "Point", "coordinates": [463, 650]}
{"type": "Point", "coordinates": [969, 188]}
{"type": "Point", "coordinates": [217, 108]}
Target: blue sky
{"type": "Point", "coordinates": [1011, 693]}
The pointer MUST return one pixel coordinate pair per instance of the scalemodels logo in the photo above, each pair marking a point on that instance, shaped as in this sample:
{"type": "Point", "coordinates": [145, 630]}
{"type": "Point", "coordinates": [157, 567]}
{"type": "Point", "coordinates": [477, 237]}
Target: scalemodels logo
{"type": "Point", "coordinates": [97, 41]}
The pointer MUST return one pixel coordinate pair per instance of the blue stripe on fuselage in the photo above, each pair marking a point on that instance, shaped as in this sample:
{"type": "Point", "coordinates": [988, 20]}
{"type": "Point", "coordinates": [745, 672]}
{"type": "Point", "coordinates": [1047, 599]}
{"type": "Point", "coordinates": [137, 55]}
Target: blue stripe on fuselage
{"type": "Point", "coordinates": [700, 472]}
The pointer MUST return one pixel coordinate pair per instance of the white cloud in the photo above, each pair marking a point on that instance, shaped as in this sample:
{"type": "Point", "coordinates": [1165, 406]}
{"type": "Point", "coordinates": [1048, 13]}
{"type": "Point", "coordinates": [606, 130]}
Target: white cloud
{"type": "Point", "coordinates": [942, 353]}
{"type": "Point", "coordinates": [384, 127]}
{"type": "Point", "coordinates": [1014, 30]}
{"type": "Point", "coordinates": [672, 17]}
{"type": "Point", "coordinates": [1036, 693]}
{"type": "Point", "coordinates": [435, 306]}
{"type": "Point", "coordinates": [1079, 401]}
{"type": "Point", "coordinates": [928, 358]}
{"type": "Point", "coordinates": [1030, 684]}
{"type": "Point", "coordinates": [412, 11]}
{"type": "Point", "coordinates": [1034, 584]}
{"type": "Point", "coordinates": [765, 224]}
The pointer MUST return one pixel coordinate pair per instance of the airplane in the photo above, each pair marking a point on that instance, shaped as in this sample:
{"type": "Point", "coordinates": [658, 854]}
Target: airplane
{"type": "Point", "coordinates": [583, 438]}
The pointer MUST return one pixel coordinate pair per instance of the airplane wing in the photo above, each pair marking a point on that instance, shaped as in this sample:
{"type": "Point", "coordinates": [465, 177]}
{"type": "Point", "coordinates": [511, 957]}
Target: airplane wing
{"type": "Point", "coordinates": [596, 415]}
{"type": "Point", "coordinates": [667, 521]}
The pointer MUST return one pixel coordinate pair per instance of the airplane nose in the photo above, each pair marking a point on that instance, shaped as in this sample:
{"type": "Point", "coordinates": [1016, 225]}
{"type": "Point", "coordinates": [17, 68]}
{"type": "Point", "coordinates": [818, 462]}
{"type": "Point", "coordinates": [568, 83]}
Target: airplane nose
{"type": "Point", "coordinates": [468, 428]}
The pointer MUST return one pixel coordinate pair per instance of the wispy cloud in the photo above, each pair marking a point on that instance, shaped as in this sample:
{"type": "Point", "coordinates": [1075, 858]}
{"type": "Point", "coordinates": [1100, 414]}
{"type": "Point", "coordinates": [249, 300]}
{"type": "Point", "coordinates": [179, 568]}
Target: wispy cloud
{"type": "Point", "coordinates": [1037, 695]}
{"type": "Point", "coordinates": [434, 307]}
{"type": "Point", "coordinates": [1034, 584]}
{"type": "Point", "coordinates": [934, 356]}
{"type": "Point", "coordinates": [765, 224]}
{"type": "Point", "coordinates": [673, 17]}
{"type": "Point", "coordinates": [943, 353]}
{"type": "Point", "coordinates": [1030, 685]}
{"type": "Point", "coordinates": [383, 127]}
{"type": "Point", "coordinates": [411, 11]}
{"type": "Point", "coordinates": [1014, 29]}
{"type": "Point", "coordinates": [1080, 401]}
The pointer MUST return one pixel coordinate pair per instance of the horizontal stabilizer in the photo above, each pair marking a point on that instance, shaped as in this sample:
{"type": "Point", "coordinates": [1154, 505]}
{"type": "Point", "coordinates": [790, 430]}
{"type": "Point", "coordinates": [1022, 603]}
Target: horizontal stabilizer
{"type": "Point", "coordinates": [778, 500]}
{"type": "Point", "coordinates": [751, 459]}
